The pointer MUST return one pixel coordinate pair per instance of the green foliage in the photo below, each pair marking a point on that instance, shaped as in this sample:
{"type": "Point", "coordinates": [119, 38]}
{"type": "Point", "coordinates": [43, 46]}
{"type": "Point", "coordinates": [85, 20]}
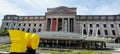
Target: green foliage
{"type": "Point", "coordinates": [76, 52]}
{"type": "Point", "coordinates": [4, 33]}
{"type": "Point", "coordinates": [65, 52]}
{"type": "Point", "coordinates": [88, 52]}
{"type": "Point", "coordinates": [54, 52]}
{"type": "Point", "coordinates": [4, 46]}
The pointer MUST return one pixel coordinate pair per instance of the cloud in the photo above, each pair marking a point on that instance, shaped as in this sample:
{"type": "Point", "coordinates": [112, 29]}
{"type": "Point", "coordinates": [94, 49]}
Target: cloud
{"type": "Point", "coordinates": [101, 7]}
{"type": "Point", "coordinates": [106, 9]}
{"type": "Point", "coordinates": [9, 8]}
{"type": "Point", "coordinates": [39, 4]}
{"type": "Point", "coordinates": [81, 10]}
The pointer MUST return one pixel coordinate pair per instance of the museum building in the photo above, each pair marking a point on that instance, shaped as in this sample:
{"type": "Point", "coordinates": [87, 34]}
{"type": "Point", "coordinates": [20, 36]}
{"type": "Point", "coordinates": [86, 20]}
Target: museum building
{"type": "Point", "coordinates": [65, 19]}
{"type": "Point", "coordinates": [62, 26]}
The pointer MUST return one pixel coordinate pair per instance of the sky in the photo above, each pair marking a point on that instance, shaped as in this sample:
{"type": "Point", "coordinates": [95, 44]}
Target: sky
{"type": "Point", "coordinates": [38, 7]}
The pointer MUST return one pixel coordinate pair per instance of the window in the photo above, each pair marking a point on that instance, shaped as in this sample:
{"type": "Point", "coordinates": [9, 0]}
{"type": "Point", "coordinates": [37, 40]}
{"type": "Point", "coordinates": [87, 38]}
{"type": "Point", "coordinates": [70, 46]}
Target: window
{"type": "Point", "coordinates": [23, 29]}
{"type": "Point", "coordinates": [12, 28]}
{"type": "Point", "coordinates": [14, 24]}
{"type": "Point", "coordinates": [39, 30]}
{"type": "Point", "coordinates": [34, 30]}
{"type": "Point", "coordinates": [18, 28]}
{"type": "Point", "coordinates": [29, 24]}
{"type": "Point", "coordinates": [5, 29]}
{"type": "Point", "coordinates": [6, 24]}
{"type": "Point", "coordinates": [40, 24]}
{"type": "Point", "coordinates": [90, 25]}
{"type": "Point", "coordinates": [91, 32]}
{"type": "Point", "coordinates": [111, 17]}
{"type": "Point", "coordinates": [90, 17]}
{"type": "Point", "coordinates": [84, 25]}
{"type": "Point", "coordinates": [112, 25]}
{"type": "Point", "coordinates": [119, 25]}
{"type": "Point", "coordinates": [19, 24]}
{"type": "Point", "coordinates": [24, 24]}
{"type": "Point", "coordinates": [28, 30]}
{"type": "Point", "coordinates": [34, 24]}
{"type": "Point", "coordinates": [84, 31]}
{"type": "Point", "coordinates": [104, 25]}
{"type": "Point", "coordinates": [103, 17]}
{"type": "Point", "coordinates": [83, 17]}
{"type": "Point", "coordinates": [113, 32]}
{"type": "Point", "coordinates": [96, 17]}
{"type": "Point", "coordinates": [8, 17]}
{"type": "Point", "coordinates": [98, 32]}
{"type": "Point", "coordinates": [97, 25]}
{"type": "Point", "coordinates": [106, 32]}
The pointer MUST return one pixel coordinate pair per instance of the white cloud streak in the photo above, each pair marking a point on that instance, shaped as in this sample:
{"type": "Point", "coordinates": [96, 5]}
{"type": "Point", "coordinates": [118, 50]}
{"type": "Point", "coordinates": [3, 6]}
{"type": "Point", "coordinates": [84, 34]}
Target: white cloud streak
{"type": "Point", "coordinates": [8, 8]}
{"type": "Point", "coordinates": [108, 9]}
{"type": "Point", "coordinates": [102, 9]}
{"type": "Point", "coordinates": [40, 4]}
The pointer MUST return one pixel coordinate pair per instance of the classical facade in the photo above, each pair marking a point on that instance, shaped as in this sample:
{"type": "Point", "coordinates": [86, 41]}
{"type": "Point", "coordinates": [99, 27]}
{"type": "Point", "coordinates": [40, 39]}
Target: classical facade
{"type": "Point", "coordinates": [65, 19]}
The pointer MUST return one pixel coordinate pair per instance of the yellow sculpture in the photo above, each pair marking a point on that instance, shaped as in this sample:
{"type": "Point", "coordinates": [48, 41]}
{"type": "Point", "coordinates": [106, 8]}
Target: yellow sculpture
{"type": "Point", "coordinates": [21, 41]}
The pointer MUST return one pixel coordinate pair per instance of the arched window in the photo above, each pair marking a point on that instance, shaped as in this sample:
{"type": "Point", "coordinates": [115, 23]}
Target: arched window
{"type": "Point", "coordinates": [5, 29]}
{"type": "Point", "coordinates": [106, 32]}
{"type": "Point", "coordinates": [40, 24]}
{"type": "Point", "coordinates": [18, 28]}
{"type": "Point", "coordinates": [34, 30]}
{"type": "Point", "coordinates": [113, 32]}
{"type": "Point", "coordinates": [91, 31]}
{"type": "Point", "coordinates": [84, 31]}
{"type": "Point", "coordinates": [23, 29]}
{"type": "Point", "coordinates": [39, 30]}
{"type": "Point", "coordinates": [98, 32]}
{"type": "Point", "coordinates": [28, 30]}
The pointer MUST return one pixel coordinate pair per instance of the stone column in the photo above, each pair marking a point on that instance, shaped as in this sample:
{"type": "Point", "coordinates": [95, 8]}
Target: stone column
{"type": "Point", "coordinates": [56, 42]}
{"type": "Point", "coordinates": [109, 30]}
{"type": "Point", "coordinates": [62, 24]}
{"type": "Point", "coordinates": [56, 24]}
{"type": "Point", "coordinates": [41, 42]}
{"type": "Point", "coordinates": [46, 24]}
{"type": "Point", "coordinates": [45, 41]}
{"type": "Point", "coordinates": [69, 43]}
{"type": "Point", "coordinates": [66, 43]}
{"type": "Point", "coordinates": [68, 24]}
{"type": "Point", "coordinates": [117, 29]}
{"type": "Point", "coordinates": [82, 28]}
{"type": "Point", "coordinates": [51, 24]}
{"type": "Point", "coordinates": [53, 43]}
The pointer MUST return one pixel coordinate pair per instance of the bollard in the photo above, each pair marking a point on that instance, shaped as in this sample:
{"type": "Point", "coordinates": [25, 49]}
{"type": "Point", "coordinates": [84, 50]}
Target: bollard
{"type": "Point", "coordinates": [23, 42]}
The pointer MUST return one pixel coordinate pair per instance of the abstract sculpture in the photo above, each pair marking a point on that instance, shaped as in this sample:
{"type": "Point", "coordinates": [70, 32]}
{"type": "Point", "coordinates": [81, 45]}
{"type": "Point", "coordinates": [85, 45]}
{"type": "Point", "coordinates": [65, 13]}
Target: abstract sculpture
{"type": "Point", "coordinates": [23, 42]}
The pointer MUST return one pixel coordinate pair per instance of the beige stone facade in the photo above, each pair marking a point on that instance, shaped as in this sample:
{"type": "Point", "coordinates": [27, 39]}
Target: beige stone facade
{"type": "Point", "coordinates": [65, 20]}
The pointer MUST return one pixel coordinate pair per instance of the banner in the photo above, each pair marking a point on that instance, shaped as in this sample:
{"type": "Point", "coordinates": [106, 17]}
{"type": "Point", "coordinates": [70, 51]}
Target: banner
{"type": "Point", "coordinates": [54, 25]}
{"type": "Point", "coordinates": [65, 24]}
{"type": "Point", "coordinates": [48, 24]}
{"type": "Point", "coordinates": [71, 25]}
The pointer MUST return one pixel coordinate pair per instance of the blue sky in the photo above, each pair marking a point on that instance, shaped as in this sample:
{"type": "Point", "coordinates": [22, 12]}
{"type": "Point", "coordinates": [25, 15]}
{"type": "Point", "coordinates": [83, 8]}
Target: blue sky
{"type": "Point", "coordinates": [38, 7]}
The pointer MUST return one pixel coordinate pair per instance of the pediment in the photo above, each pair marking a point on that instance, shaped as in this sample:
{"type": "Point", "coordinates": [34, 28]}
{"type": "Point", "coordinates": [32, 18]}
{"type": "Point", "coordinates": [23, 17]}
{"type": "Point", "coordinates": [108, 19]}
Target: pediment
{"type": "Point", "coordinates": [61, 11]}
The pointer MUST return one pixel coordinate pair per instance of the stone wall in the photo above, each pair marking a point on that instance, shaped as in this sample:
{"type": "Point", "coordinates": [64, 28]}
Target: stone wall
{"type": "Point", "coordinates": [4, 39]}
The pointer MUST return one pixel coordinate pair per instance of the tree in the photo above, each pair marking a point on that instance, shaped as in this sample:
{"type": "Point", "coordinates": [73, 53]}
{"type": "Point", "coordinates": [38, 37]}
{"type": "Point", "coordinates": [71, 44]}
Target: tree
{"type": "Point", "coordinates": [4, 33]}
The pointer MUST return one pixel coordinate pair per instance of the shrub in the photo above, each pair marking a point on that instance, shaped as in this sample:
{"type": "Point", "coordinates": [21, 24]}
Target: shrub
{"type": "Point", "coordinates": [4, 33]}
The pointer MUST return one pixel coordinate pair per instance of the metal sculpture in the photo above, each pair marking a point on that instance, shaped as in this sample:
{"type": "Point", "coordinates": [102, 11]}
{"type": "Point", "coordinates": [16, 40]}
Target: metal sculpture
{"type": "Point", "coordinates": [23, 42]}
